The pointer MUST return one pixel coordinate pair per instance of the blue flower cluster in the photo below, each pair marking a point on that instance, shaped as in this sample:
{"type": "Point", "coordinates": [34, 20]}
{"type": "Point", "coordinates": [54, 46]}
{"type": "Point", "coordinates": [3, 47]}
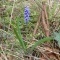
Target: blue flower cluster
{"type": "Point", "coordinates": [26, 14]}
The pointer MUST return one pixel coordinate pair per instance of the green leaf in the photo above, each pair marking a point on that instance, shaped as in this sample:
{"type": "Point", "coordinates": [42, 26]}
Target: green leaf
{"type": "Point", "coordinates": [40, 42]}
{"type": "Point", "coordinates": [19, 35]}
{"type": "Point", "coordinates": [57, 37]}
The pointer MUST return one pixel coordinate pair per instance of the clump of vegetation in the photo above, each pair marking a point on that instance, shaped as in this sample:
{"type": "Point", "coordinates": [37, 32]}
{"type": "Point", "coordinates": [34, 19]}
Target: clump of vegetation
{"type": "Point", "coordinates": [29, 30]}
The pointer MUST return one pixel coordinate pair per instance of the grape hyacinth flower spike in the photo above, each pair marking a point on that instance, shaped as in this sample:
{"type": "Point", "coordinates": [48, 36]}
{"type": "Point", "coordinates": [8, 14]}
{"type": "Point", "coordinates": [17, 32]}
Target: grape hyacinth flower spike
{"type": "Point", "coordinates": [26, 14]}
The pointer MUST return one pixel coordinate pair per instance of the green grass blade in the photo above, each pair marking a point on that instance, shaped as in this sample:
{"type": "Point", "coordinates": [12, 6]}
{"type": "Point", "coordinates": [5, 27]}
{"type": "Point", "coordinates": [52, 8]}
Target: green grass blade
{"type": "Point", "coordinates": [20, 39]}
{"type": "Point", "coordinates": [40, 42]}
{"type": "Point", "coordinates": [18, 34]}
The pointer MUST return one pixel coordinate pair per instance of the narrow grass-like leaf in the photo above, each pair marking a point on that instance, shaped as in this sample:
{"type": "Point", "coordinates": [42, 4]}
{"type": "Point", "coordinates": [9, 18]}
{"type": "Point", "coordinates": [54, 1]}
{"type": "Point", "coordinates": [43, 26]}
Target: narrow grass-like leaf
{"type": "Point", "coordinates": [19, 38]}
{"type": "Point", "coordinates": [19, 35]}
{"type": "Point", "coordinates": [40, 42]}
